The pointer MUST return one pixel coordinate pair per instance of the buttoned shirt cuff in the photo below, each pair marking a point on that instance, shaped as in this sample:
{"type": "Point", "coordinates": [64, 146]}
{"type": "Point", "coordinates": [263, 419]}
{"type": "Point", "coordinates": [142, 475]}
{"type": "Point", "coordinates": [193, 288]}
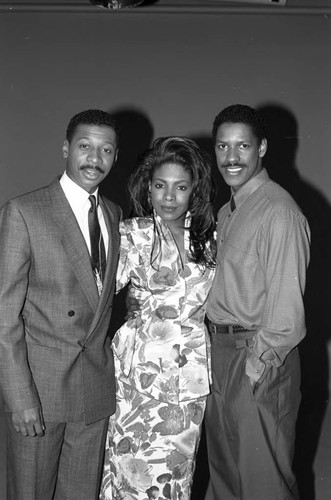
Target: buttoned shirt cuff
{"type": "Point", "coordinates": [270, 357]}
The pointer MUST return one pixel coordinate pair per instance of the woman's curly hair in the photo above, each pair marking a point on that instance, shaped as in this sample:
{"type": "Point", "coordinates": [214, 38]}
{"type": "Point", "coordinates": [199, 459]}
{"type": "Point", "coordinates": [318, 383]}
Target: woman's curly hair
{"type": "Point", "coordinates": [185, 152]}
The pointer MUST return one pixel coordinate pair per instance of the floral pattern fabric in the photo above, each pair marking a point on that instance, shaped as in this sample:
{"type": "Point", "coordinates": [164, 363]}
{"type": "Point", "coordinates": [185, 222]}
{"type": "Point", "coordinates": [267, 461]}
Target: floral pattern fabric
{"type": "Point", "coordinates": [164, 350]}
{"type": "Point", "coordinates": [162, 368]}
{"type": "Point", "coordinates": [151, 448]}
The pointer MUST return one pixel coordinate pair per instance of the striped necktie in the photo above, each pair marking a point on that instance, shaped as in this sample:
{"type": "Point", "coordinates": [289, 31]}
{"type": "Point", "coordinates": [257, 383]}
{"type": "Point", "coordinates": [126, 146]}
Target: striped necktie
{"type": "Point", "coordinates": [98, 254]}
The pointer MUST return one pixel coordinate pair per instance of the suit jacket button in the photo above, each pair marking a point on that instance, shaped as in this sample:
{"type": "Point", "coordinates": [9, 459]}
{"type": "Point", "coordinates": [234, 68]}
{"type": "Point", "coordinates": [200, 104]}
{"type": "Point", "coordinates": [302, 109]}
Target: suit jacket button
{"type": "Point", "coordinates": [84, 348]}
{"type": "Point", "coordinates": [71, 313]}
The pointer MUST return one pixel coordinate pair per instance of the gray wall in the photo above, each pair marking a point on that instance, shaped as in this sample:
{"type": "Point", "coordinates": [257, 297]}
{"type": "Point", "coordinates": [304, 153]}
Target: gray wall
{"type": "Point", "coordinates": [172, 71]}
{"type": "Point", "coordinates": [170, 74]}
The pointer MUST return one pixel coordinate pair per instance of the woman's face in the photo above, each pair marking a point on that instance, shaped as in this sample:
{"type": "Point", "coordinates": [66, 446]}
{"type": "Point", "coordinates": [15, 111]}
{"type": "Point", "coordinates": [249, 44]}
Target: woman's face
{"type": "Point", "coordinates": [170, 188]}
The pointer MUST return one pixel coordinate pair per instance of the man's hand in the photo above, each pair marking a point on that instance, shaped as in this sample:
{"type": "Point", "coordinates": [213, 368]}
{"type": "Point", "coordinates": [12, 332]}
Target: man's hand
{"type": "Point", "coordinates": [255, 368]}
{"type": "Point", "coordinates": [29, 422]}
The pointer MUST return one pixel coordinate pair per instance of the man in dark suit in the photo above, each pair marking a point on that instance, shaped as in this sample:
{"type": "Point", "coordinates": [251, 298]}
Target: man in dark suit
{"type": "Point", "coordinates": [56, 290]}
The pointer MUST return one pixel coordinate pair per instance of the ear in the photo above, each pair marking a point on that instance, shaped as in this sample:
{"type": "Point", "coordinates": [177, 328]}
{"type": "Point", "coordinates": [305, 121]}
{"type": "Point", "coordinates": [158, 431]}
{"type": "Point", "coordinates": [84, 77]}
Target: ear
{"type": "Point", "coordinates": [149, 186]}
{"type": "Point", "coordinates": [65, 149]}
{"type": "Point", "coordinates": [263, 148]}
{"type": "Point", "coordinates": [115, 157]}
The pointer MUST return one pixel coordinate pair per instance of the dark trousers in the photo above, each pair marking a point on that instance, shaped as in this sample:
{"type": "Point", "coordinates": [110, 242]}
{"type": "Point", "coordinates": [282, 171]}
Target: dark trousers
{"type": "Point", "coordinates": [64, 464]}
{"type": "Point", "coordinates": [250, 433]}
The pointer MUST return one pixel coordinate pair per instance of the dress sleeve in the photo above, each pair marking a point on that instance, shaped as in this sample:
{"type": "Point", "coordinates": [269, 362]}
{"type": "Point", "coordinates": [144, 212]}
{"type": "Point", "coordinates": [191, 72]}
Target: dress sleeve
{"type": "Point", "coordinates": [284, 257]}
{"type": "Point", "coordinates": [129, 256]}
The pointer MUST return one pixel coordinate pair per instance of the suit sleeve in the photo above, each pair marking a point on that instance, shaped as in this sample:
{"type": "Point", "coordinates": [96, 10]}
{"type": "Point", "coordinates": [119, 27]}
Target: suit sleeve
{"type": "Point", "coordinates": [16, 380]}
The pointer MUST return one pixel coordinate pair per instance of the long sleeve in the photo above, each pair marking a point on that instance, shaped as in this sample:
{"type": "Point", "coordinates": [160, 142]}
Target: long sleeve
{"type": "Point", "coordinates": [284, 257]}
{"type": "Point", "coordinates": [15, 260]}
{"type": "Point", "coordinates": [129, 255]}
{"type": "Point", "coordinates": [263, 255]}
{"type": "Point", "coordinates": [164, 350]}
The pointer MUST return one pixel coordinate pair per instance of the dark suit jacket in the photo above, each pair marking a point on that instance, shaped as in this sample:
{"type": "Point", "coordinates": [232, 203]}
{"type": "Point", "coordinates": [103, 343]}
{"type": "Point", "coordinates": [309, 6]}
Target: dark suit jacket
{"type": "Point", "coordinates": [54, 349]}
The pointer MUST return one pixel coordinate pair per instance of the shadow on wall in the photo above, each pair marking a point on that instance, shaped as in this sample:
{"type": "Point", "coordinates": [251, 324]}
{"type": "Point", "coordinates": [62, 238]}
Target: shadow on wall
{"type": "Point", "coordinates": [282, 133]}
{"type": "Point", "coordinates": [136, 134]}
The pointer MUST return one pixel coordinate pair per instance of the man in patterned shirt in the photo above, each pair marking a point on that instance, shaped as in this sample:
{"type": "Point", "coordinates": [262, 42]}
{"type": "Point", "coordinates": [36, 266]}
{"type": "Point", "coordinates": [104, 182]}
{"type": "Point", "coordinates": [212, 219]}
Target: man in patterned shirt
{"type": "Point", "coordinates": [256, 320]}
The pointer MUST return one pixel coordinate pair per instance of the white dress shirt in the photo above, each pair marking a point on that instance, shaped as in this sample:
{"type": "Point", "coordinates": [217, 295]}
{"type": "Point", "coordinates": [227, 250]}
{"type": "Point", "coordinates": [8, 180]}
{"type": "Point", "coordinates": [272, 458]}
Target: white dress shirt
{"type": "Point", "coordinates": [80, 204]}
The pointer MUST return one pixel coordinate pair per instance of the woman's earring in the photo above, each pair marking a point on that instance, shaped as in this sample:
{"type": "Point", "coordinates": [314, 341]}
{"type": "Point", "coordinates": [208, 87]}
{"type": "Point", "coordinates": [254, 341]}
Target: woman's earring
{"type": "Point", "coordinates": [149, 199]}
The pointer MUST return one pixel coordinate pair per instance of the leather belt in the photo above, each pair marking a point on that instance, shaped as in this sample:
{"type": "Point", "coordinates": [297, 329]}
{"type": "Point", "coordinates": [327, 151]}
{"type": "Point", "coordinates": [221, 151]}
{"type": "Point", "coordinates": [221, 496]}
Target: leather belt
{"type": "Point", "coordinates": [224, 329]}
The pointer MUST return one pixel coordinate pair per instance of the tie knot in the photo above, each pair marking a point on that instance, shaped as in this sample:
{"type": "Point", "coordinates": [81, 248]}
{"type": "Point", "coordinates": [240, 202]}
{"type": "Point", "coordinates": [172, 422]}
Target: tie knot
{"type": "Point", "coordinates": [93, 202]}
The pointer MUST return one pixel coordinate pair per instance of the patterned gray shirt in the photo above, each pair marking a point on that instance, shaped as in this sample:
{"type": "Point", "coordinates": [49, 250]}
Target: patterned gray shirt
{"type": "Point", "coordinates": [263, 254]}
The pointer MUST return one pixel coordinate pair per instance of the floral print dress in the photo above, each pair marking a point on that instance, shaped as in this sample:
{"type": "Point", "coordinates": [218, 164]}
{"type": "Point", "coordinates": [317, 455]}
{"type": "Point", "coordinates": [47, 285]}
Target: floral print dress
{"type": "Point", "coordinates": [162, 368]}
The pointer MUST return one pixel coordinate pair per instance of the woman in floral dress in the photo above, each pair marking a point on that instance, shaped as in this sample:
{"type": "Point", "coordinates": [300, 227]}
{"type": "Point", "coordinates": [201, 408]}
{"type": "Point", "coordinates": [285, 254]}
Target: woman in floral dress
{"type": "Point", "coordinates": [162, 354]}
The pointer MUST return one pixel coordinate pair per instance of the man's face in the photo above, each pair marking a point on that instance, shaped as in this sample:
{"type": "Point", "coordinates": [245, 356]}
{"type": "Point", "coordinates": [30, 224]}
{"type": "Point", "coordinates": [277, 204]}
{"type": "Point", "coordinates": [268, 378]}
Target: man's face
{"type": "Point", "coordinates": [238, 153]}
{"type": "Point", "coordinates": [90, 155]}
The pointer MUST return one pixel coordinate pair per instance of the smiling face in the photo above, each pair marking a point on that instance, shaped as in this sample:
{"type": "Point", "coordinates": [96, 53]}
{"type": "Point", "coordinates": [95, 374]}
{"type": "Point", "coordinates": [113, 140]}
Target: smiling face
{"type": "Point", "coordinates": [90, 155]}
{"type": "Point", "coordinates": [239, 153]}
{"type": "Point", "coordinates": [170, 188]}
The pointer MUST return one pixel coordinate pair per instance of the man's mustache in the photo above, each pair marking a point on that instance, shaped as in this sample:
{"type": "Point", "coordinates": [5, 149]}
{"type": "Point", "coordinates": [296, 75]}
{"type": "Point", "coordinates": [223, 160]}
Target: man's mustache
{"type": "Point", "coordinates": [94, 167]}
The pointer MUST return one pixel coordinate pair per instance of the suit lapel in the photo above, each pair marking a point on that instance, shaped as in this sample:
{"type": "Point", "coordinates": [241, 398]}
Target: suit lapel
{"type": "Point", "coordinates": [74, 243]}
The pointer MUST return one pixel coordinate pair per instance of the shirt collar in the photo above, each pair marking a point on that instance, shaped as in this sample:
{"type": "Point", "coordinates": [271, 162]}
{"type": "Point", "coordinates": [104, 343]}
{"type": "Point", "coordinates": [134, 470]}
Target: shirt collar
{"type": "Point", "coordinates": [75, 194]}
{"type": "Point", "coordinates": [249, 187]}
